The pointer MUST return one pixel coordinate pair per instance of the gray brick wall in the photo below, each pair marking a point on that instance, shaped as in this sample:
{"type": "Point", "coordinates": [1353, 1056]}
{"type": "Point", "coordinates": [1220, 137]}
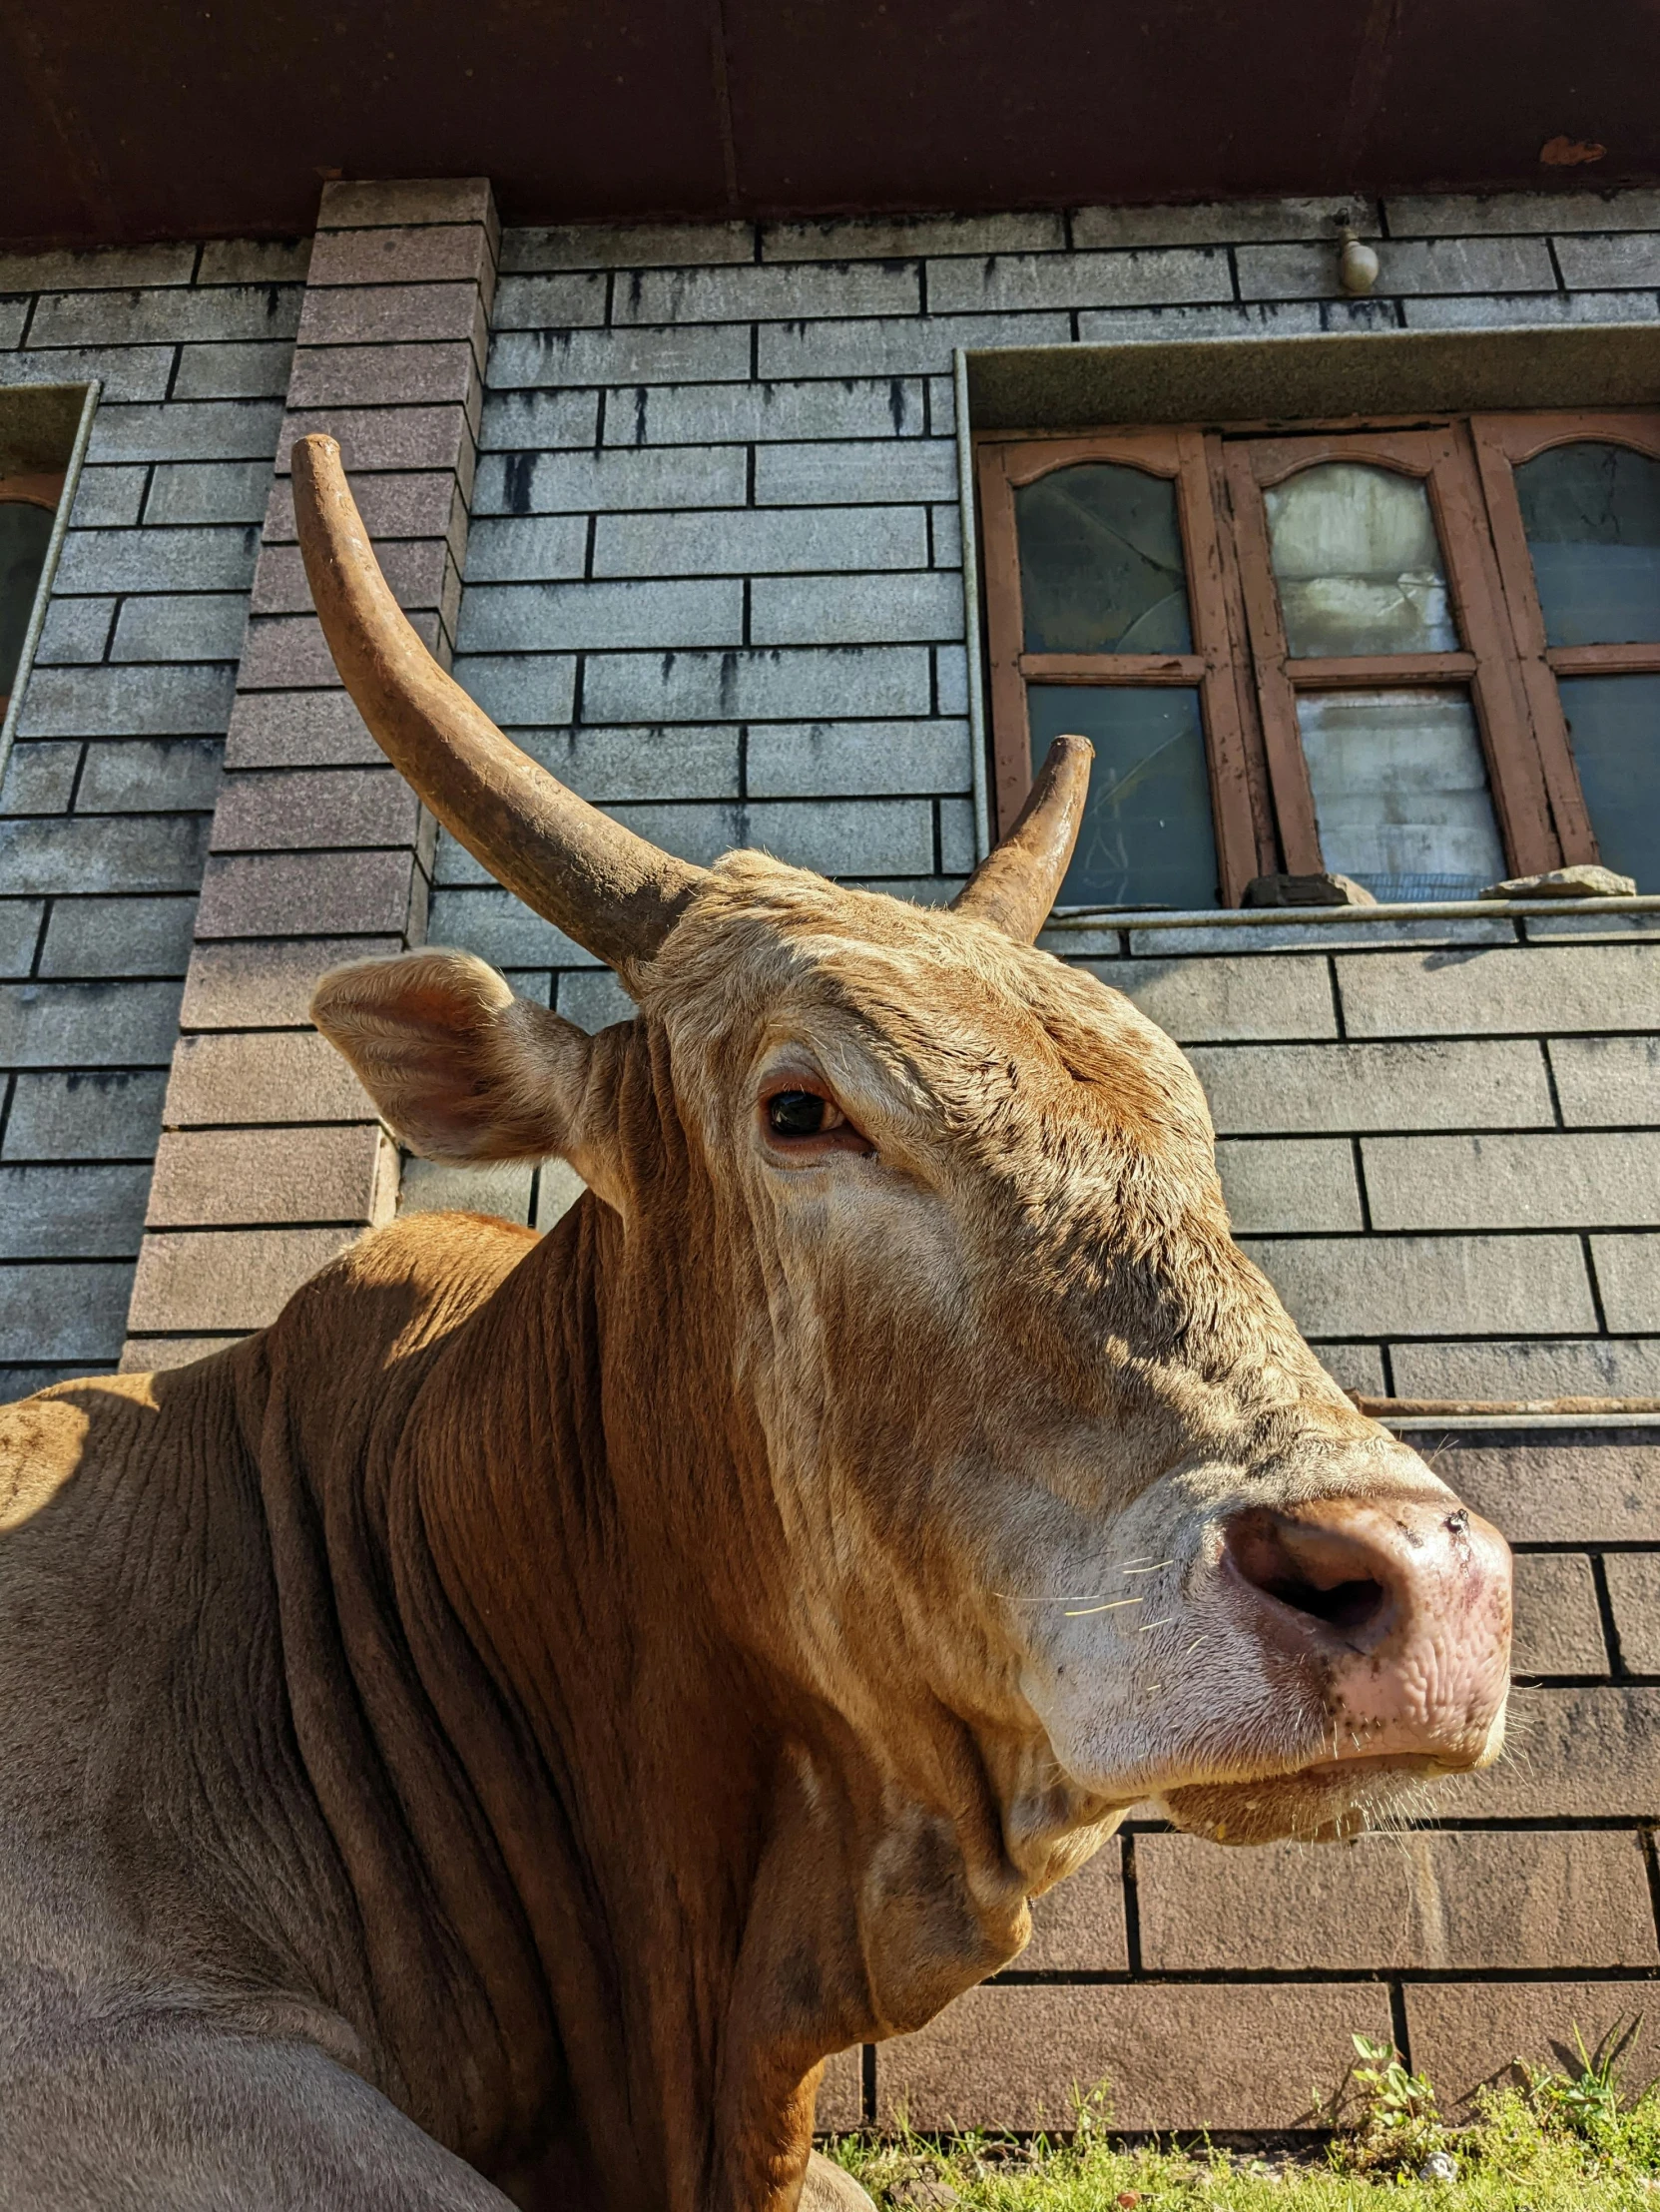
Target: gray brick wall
{"type": "Point", "coordinates": [106, 805]}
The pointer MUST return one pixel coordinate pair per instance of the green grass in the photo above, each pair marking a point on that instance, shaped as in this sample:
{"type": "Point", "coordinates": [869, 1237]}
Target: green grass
{"type": "Point", "coordinates": [1554, 2142]}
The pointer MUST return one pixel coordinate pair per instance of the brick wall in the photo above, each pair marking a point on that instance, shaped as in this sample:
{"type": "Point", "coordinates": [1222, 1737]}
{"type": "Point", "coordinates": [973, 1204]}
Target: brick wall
{"type": "Point", "coordinates": [104, 806]}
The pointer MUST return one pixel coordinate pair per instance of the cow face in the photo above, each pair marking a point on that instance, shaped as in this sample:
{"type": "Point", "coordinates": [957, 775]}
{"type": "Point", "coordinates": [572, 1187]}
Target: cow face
{"type": "Point", "coordinates": [1044, 1451]}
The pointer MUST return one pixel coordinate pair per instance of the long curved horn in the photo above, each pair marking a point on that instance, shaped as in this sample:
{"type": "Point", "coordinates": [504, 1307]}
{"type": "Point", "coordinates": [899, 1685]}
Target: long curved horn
{"type": "Point", "coordinates": [609, 890]}
{"type": "Point", "coordinates": [1014, 886]}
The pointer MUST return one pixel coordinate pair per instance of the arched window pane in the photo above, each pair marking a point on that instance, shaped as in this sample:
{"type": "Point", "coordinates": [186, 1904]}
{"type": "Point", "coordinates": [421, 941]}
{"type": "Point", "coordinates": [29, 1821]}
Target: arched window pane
{"type": "Point", "coordinates": [1147, 839]}
{"type": "Point", "coordinates": [25, 532]}
{"type": "Point", "coordinates": [1592, 516]}
{"type": "Point", "coordinates": [1101, 567]}
{"type": "Point", "coordinates": [1357, 563]}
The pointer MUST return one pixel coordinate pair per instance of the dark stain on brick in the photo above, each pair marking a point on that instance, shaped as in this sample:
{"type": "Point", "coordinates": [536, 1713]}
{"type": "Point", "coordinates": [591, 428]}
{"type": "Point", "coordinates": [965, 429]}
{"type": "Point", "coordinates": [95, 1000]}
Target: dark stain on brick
{"type": "Point", "coordinates": [897, 401]}
{"type": "Point", "coordinates": [518, 478]}
{"type": "Point", "coordinates": [729, 680]}
{"type": "Point", "coordinates": [640, 414]}
{"type": "Point", "coordinates": [636, 287]}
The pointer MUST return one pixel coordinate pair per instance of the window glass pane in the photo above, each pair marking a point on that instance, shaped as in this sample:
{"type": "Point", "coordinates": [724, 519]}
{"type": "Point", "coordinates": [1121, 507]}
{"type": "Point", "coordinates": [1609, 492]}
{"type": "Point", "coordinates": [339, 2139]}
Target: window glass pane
{"type": "Point", "coordinates": [1593, 517]}
{"type": "Point", "coordinates": [1147, 838]}
{"type": "Point", "coordinates": [1614, 728]}
{"type": "Point", "coordinates": [1101, 566]}
{"type": "Point", "coordinates": [1400, 791]}
{"type": "Point", "coordinates": [1357, 564]}
{"type": "Point", "coordinates": [24, 533]}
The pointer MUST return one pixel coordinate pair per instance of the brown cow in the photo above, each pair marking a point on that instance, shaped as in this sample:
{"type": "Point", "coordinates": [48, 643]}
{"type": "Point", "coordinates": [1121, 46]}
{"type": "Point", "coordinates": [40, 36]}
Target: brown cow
{"type": "Point", "coordinates": [500, 1727]}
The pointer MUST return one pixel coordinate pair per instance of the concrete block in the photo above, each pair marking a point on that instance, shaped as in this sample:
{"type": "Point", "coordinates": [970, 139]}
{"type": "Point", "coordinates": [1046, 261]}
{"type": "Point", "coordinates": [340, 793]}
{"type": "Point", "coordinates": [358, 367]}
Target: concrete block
{"type": "Point", "coordinates": [252, 369]}
{"type": "Point", "coordinates": [862, 682]}
{"type": "Point", "coordinates": [593, 998]}
{"type": "Point", "coordinates": [227, 1278]}
{"type": "Point", "coordinates": [957, 848]}
{"type": "Point", "coordinates": [1515, 988]}
{"type": "Point", "coordinates": [1616, 258]}
{"type": "Point", "coordinates": [1276, 319]}
{"type": "Point", "coordinates": [1354, 1367]}
{"type": "Point", "coordinates": [547, 359]}
{"type": "Point", "coordinates": [1016, 283]}
{"type": "Point", "coordinates": [853, 610]}
{"type": "Point", "coordinates": [1407, 265]}
{"type": "Point", "coordinates": [624, 245]}
{"type": "Point", "coordinates": [64, 1311]}
{"type": "Point", "coordinates": [1291, 1089]}
{"type": "Point", "coordinates": [41, 776]}
{"type": "Point", "coordinates": [153, 852]}
{"type": "Point", "coordinates": [118, 936]}
{"type": "Point", "coordinates": [388, 314]}
{"type": "Point", "coordinates": [1415, 1901]}
{"type": "Point", "coordinates": [1628, 1276]}
{"type": "Point", "coordinates": [1218, 1000]}
{"type": "Point", "coordinates": [267, 984]}
{"type": "Point", "coordinates": [1528, 309]}
{"type": "Point", "coordinates": [700, 834]}
{"type": "Point", "coordinates": [303, 894]}
{"type": "Point", "coordinates": [211, 1178]}
{"type": "Point", "coordinates": [418, 571]}
{"type": "Point", "coordinates": [351, 204]}
{"type": "Point", "coordinates": [208, 559]}
{"type": "Point", "coordinates": [665, 477]}
{"type": "Point", "coordinates": [195, 626]}
{"type": "Point", "coordinates": [950, 664]}
{"type": "Point", "coordinates": [1514, 1182]}
{"type": "Point", "coordinates": [1592, 1753]}
{"type": "Point", "coordinates": [710, 414]}
{"type": "Point", "coordinates": [1429, 1286]}
{"type": "Point", "coordinates": [71, 1213]}
{"type": "Point", "coordinates": [28, 1381]}
{"type": "Point", "coordinates": [558, 1188]}
{"type": "Point", "coordinates": [88, 1025]}
{"type": "Point", "coordinates": [538, 421]}
{"type": "Point", "coordinates": [383, 375]}
{"type": "Point", "coordinates": [1078, 1926]}
{"type": "Point", "coordinates": [755, 541]}
{"type": "Point", "coordinates": [127, 373]}
{"type": "Point", "coordinates": [1222, 222]}
{"type": "Point", "coordinates": [499, 930]}
{"type": "Point", "coordinates": [76, 631]}
{"type": "Point", "coordinates": [436, 254]}
{"type": "Point", "coordinates": [416, 504]}
{"type": "Point", "coordinates": [106, 268]}
{"type": "Point", "coordinates": [840, 2104]}
{"type": "Point", "coordinates": [110, 497]}
{"type": "Point", "coordinates": [1559, 1630]}
{"type": "Point", "coordinates": [845, 836]}
{"type": "Point", "coordinates": [89, 1114]}
{"type": "Point", "coordinates": [289, 652]}
{"type": "Point", "coordinates": [520, 690]}
{"type": "Point", "coordinates": [253, 261]}
{"type": "Point", "coordinates": [542, 618]}
{"type": "Point", "coordinates": [206, 491]}
{"type": "Point", "coordinates": [1634, 1590]}
{"type": "Point", "coordinates": [1213, 2055]}
{"type": "Point", "coordinates": [1289, 1185]}
{"type": "Point", "coordinates": [567, 301]}
{"type": "Point", "coordinates": [1467, 2036]}
{"type": "Point", "coordinates": [160, 1354]}
{"type": "Point", "coordinates": [796, 760]}
{"type": "Point", "coordinates": [146, 775]}
{"type": "Point", "coordinates": [1606, 1080]}
{"type": "Point", "coordinates": [942, 407]}
{"type": "Point", "coordinates": [1588, 1367]}
{"type": "Point", "coordinates": [539, 549]}
{"type": "Point", "coordinates": [19, 933]}
{"type": "Point", "coordinates": [298, 728]}
{"type": "Point", "coordinates": [166, 318]}
{"type": "Point", "coordinates": [904, 238]}
{"type": "Point", "coordinates": [287, 809]}
{"type": "Point", "coordinates": [376, 437]}
{"type": "Point", "coordinates": [847, 472]}
{"type": "Point", "coordinates": [915, 346]}
{"type": "Point", "coordinates": [617, 766]}
{"type": "Point", "coordinates": [739, 295]}
{"type": "Point", "coordinates": [189, 430]}
{"type": "Point", "coordinates": [1468, 214]}
{"type": "Point", "coordinates": [1559, 1486]}
{"type": "Point", "coordinates": [499, 1187]}
{"type": "Point", "coordinates": [291, 1075]}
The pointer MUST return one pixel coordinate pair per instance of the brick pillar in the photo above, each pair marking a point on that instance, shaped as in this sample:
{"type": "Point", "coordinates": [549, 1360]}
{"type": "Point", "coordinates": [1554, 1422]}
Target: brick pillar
{"type": "Point", "coordinates": [271, 1158]}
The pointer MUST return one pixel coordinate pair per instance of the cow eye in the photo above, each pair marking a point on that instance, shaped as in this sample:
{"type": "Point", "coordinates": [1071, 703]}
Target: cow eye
{"type": "Point", "coordinates": [799, 1114]}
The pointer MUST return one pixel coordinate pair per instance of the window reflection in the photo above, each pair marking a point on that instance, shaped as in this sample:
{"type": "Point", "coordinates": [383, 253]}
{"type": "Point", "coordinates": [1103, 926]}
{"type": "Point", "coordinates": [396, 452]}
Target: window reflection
{"type": "Point", "coordinates": [1147, 839]}
{"type": "Point", "coordinates": [1357, 564]}
{"type": "Point", "coordinates": [1101, 567]}
{"type": "Point", "coordinates": [1400, 791]}
{"type": "Point", "coordinates": [1593, 517]}
{"type": "Point", "coordinates": [1614, 729]}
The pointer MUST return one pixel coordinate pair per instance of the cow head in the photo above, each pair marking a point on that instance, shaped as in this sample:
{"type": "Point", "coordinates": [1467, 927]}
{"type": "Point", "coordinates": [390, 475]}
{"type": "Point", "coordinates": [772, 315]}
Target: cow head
{"type": "Point", "coordinates": [1038, 1443]}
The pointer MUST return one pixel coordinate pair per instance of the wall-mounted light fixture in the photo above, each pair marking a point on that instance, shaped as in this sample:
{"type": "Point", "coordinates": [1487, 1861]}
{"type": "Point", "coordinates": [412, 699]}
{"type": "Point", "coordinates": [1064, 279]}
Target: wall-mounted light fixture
{"type": "Point", "coordinates": [1357, 263]}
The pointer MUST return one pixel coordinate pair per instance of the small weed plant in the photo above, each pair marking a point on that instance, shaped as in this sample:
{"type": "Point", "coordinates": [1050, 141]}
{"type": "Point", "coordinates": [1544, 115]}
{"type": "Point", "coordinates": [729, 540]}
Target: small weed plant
{"type": "Point", "coordinates": [1568, 2140]}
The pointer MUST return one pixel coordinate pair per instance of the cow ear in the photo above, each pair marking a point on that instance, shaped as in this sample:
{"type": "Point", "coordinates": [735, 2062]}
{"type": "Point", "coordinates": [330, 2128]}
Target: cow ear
{"type": "Point", "coordinates": [460, 1068]}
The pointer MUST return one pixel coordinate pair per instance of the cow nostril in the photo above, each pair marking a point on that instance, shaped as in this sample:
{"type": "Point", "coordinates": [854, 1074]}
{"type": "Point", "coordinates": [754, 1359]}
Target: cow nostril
{"type": "Point", "coordinates": [1346, 1605]}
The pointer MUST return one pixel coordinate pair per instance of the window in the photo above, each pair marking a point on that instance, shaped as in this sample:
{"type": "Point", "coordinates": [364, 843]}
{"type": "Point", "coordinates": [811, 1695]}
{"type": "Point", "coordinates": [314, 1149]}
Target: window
{"type": "Point", "coordinates": [28, 504]}
{"type": "Point", "coordinates": [1424, 657]}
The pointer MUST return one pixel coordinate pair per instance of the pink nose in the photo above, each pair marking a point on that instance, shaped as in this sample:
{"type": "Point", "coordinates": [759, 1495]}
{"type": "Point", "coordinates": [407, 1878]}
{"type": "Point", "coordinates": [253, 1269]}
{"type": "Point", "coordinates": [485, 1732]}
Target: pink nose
{"type": "Point", "coordinates": [1400, 1612]}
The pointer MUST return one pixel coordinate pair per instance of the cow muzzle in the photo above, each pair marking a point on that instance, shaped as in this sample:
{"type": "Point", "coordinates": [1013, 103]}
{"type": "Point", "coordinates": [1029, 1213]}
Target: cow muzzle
{"type": "Point", "coordinates": [1391, 1619]}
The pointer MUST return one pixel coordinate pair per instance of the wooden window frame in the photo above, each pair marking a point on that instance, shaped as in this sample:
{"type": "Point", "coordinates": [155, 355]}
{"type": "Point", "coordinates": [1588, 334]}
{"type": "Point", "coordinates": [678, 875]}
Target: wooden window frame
{"type": "Point", "coordinates": [1262, 802]}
